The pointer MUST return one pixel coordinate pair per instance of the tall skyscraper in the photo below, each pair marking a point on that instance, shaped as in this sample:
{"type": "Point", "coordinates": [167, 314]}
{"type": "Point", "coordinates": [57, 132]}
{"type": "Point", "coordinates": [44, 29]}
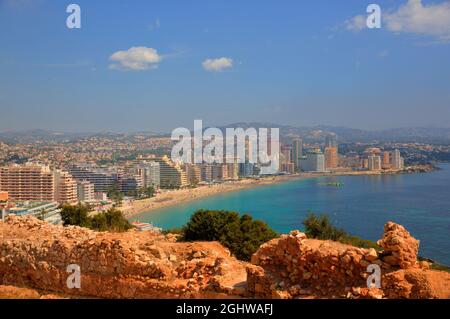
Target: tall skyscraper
{"type": "Point", "coordinates": [331, 158]}
{"type": "Point", "coordinates": [286, 151]}
{"type": "Point", "coordinates": [396, 160]}
{"type": "Point", "coordinates": [386, 160]}
{"type": "Point", "coordinates": [331, 140]}
{"type": "Point", "coordinates": [374, 163]}
{"type": "Point", "coordinates": [297, 153]}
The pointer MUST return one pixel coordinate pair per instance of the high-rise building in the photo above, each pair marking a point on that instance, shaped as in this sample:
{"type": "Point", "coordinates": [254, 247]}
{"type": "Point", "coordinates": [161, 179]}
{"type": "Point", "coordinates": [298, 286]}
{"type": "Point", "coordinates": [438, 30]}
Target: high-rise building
{"type": "Point", "coordinates": [246, 169]}
{"type": "Point", "coordinates": [149, 173]}
{"type": "Point", "coordinates": [297, 153]}
{"type": "Point", "coordinates": [232, 171]}
{"type": "Point", "coordinates": [331, 140]}
{"type": "Point", "coordinates": [288, 168]}
{"type": "Point", "coordinates": [4, 197]}
{"type": "Point", "coordinates": [86, 192]}
{"type": "Point", "coordinates": [129, 184]}
{"type": "Point", "coordinates": [27, 182]}
{"type": "Point", "coordinates": [217, 172]}
{"type": "Point", "coordinates": [313, 162]}
{"type": "Point", "coordinates": [171, 174]}
{"type": "Point", "coordinates": [65, 187]}
{"type": "Point", "coordinates": [396, 160]}
{"type": "Point", "coordinates": [286, 152]}
{"type": "Point", "coordinates": [331, 158]}
{"type": "Point", "coordinates": [193, 173]}
{"type": "Point", "coordinates": [102, 178]}
{"type": "Point", "coordinates": [386, 160]}
{"type": "Point", "coordinates": [206, 174]}
{"type": "Point", "coordinates": [35, 182]}
{"type": "Point", "coordinates": [374, 163]}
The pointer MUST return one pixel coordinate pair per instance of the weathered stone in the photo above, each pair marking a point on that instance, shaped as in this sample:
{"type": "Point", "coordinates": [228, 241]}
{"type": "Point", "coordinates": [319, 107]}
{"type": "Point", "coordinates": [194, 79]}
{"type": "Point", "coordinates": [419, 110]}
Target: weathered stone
{"type": "Point", "coordinates": [400, 248]}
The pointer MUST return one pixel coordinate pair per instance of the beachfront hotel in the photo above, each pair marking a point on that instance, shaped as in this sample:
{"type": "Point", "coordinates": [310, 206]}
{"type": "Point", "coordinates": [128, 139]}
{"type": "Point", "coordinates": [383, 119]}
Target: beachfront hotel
{"type": "Point", "coordinates": [150, 173]}
{"type": "Point", "coordinates": [35, 182]}
{"type": "Point", "coordinates": [331, 157]}
{"type": "Point", "coordinates": [396, 160]}
{"type": "Point", "coordinates": [297, 153]}
{"type": "Point", "coordinates": [102, 178]}
{"type": "Point", "coordinates": [374, 163]}
{"type": "Point", "coordinates": [313, 162]}
{"type": "Point", "coordinates": [171, 174]}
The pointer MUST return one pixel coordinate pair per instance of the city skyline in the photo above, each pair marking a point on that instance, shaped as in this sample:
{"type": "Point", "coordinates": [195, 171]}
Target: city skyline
{"type": "Point", "coordinates": [155, 67]}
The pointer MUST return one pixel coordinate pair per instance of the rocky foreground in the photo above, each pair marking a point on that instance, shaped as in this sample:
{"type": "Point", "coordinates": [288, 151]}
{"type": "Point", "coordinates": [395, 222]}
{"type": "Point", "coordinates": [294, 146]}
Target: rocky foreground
{"type": "Point", "coordinates": [34, 257]}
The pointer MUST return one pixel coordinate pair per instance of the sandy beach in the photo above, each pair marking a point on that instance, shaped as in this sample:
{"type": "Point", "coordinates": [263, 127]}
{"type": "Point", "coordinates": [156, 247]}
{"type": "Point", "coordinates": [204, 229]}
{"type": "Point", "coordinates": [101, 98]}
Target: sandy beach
{"type": "Point", "coordinates": [179, 196]}
{"type": "Point", "coordinates": [175, 197]}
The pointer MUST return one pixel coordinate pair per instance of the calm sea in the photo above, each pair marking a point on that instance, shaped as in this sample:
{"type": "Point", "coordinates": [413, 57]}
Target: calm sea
{"type": "Point", "coordinates": [420, 202]}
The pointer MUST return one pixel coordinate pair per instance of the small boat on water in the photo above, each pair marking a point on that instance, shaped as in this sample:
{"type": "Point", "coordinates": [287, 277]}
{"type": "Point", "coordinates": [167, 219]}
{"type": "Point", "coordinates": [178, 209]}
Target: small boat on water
{"type": "Point", "coordinates": [145, 227]}
{"type": "Point", "coordinates": [334, 184]}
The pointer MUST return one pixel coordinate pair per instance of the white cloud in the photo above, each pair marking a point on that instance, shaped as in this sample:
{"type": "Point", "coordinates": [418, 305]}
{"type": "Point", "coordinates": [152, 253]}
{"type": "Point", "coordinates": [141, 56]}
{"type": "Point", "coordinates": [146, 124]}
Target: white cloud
{"type": "Point", "coordinates": [415, 17]}
{"type": "Point", "coordinates": [356, 24]}
{"type": "Point", "coordinates": [135, 59]}
{"type": "Point", "coordinates": [217, 65]}
{"type": "Point", "coordinates": [412, 17]}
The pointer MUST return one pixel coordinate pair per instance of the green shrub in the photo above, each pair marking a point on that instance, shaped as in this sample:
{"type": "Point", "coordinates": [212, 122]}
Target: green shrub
{"type": "Point", "coordinates": [75, 215]}
{"type": "Point", "coordinates": [320, 227]}
{"type": "Point", "coordinates": [111, 220]}
{"type": "Point", "coordinates": [241, 234]}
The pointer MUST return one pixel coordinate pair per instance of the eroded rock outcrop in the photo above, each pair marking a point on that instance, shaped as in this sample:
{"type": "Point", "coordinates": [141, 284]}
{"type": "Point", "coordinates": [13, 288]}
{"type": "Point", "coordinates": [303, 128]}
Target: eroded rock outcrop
{"type": "Point", "coordinates": [34, 255]}
{"type": "Point", "coordinates": [400, 248]}
{"type": "Point", "coordinates": [293, 266]}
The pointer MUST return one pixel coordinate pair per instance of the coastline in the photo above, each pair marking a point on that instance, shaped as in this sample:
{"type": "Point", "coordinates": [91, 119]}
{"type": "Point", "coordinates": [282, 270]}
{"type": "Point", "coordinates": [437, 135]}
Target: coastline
{"type": "Point", "coordinates": [176, 197]}
{"type": "Point", "coordinates": [180, 196]}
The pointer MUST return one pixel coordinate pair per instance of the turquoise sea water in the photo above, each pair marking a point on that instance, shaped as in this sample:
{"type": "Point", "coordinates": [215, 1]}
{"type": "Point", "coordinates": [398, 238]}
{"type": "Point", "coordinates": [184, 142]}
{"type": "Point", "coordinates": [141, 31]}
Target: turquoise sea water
{"type": "Point", "coordinates": [420, 202]}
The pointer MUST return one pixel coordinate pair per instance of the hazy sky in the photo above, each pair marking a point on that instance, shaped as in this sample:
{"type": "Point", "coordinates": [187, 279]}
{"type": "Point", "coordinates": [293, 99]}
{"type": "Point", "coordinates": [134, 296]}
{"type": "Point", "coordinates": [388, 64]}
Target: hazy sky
{"type": "Point", "coordinates": [157, 65]}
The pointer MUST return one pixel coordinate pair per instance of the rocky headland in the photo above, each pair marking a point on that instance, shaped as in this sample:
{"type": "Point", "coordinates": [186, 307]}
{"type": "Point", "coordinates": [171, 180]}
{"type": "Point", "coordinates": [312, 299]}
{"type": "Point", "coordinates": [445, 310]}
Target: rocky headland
{"type": "Point", "coordinates": [34, 257]}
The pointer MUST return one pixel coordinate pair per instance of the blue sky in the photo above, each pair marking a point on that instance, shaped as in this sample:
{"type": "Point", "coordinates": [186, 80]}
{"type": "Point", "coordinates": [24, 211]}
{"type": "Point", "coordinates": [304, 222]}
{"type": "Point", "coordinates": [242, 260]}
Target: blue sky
{"type": "Point", "coordinates": [289, 62]}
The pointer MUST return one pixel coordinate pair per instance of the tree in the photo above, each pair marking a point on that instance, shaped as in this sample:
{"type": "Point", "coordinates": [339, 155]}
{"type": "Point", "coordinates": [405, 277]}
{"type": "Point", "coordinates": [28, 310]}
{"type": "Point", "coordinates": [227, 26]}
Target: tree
{"type": "Point", "coordinates": [115, 194]}
{"type": "Point", "coordinates": [75, 215]}
{"type": "Point", "coordinates": [320, 227]}
{"type": "Point", "coordinates": [146, 192]}
{"type": "Point", "coordinates": [111, 220]}
{"type": "Point", "coordinates": [241, 234]}
{"type": "Point", "coordinates": [149, 192]}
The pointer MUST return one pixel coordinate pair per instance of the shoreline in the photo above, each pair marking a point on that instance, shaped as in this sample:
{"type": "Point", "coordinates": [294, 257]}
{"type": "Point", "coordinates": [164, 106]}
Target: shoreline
{"type": "Point", "coordinates": [181, 196]}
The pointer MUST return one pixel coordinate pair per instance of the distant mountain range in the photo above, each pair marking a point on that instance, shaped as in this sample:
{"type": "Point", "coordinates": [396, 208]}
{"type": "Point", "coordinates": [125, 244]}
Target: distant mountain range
{"type": "Point", "coordinates": [345, 134]}
{"type": "Point", "coordinates": [31, 136]}
{"type": "Point", "coordinates": [287, 132]}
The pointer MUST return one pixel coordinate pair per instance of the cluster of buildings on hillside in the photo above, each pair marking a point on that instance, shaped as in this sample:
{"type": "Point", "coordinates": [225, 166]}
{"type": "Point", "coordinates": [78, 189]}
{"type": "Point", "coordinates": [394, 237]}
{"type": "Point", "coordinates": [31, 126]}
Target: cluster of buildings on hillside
{"type": "Point", "coordinates": [100, 148]}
